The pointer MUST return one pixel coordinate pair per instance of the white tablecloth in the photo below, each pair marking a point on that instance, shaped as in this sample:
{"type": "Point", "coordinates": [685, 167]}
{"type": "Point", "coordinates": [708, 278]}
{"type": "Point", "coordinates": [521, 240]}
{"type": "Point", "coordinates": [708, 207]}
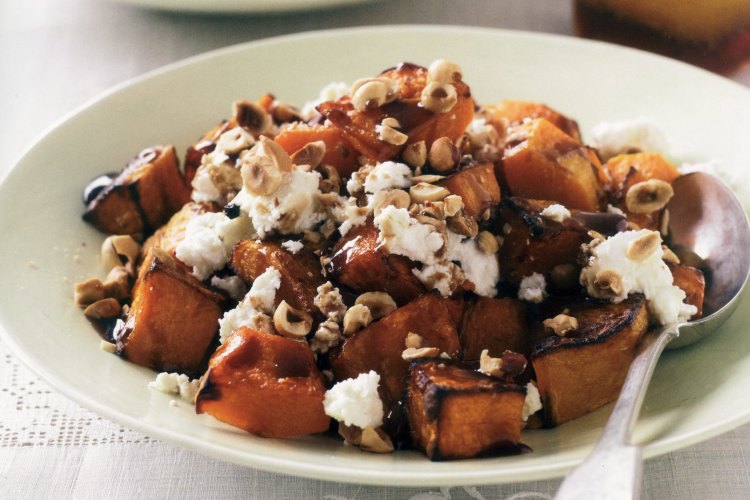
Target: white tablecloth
{"type": "Point", "coordinates": [55, 55]}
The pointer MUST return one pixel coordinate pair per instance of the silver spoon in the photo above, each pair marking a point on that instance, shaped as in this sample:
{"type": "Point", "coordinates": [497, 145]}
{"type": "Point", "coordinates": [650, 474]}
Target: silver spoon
{"type": "Point", "coordinates": [707, 226]}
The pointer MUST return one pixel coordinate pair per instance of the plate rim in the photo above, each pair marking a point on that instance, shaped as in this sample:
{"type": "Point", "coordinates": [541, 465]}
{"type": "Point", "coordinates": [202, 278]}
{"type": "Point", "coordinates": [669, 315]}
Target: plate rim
{"type": "Point", "coordinates": [321, 470]}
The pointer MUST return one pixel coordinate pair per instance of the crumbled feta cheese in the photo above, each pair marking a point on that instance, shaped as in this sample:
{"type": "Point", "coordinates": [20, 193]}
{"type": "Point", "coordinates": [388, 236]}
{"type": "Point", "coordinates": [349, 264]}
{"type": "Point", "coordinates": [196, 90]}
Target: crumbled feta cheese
{"type": "Point", "coordinates": [439, 276]}
{"type": "Point", "coordinates": [293, 246]}
{"type": "Point", "coordinates": [481, 133]}
{"type": "Point", "coordinates": [208, 241]}
{"type": "Point", "coordinates": [641, 134]}
{"type": "Point", "coordinates": [388, 175]}
{"type": "Point", "coordinates": [403, 235]}
{"type": "Point", "coordinates": [556, 212]}
{"type": "Point", "coordinates": [263, 292]}
{"type": "Point", "coordinates": [532, 403]}
{"type": "Point", "coordinates": [533, 288]}
{"type": "Point", "coordinates": [353, 215]}
{"type": "Point", "coordinates": [480, 268]}
{"type": "Point", "coordinates": [648, 275]}
{"type": "Point", "coordinates": [255, 308]}
{"type": "Point", "coordinates": [177, 384]}
{"type": "Point", "coordinates": [216, 180]}
{"type": "Point", "coordinates": [331, 92]}
{"type": "Point", "coordinates": [233, 285]}
{"type": "Point", "coordinates": [355, 401]}
{"type": "Point", "coordinates": [293, 208]}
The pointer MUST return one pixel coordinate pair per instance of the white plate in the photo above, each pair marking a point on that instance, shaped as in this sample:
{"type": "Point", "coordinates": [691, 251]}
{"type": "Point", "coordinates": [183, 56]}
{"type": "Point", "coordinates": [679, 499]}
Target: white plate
{"type": "Point", "coordinates": [697, 392]}
{"type": "Point", "coordinates": [239, 6]}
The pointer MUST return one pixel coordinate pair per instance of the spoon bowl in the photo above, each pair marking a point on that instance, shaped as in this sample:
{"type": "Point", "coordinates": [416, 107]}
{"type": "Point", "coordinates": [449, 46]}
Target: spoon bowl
{"type": "Point", "coordinates": [708, 229]}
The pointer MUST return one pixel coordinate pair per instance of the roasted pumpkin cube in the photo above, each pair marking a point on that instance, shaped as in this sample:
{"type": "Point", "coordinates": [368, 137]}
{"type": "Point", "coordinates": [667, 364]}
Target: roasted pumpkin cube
{"type": "Point", "coordinates": [380, 345]}
{"type": "Point", "coordinates": [173, 319]}
{"type": "Point", "coordinates": [142, 197]}
{"type": "Point", "coordinates": [542, 162]}
{"type": "Point", "coordinates": [536, 244]}
{"type": "Point", "coordinates": [477, 186]}
{"type": "Point", "coordinates": [358, 127]}
{"type": "Point", "coordinates": [626, 170]}
{"type": "Point", "coordinates": [361, 264]}
{"type": "Point", "coordinates": [514, 112]}
{"type": "Point", "coordinates": [691, 281]}
{"type": "Point", "coordinates": [585, 369]}
{"type": "Point", "coordinates": [494, 324]}
{"type": "Point", "coordinates": [265, 384]}
{"type": "Point", "coordinates": [300, 272]}
{"type": "Point", "coordinates": [455, 412]}
{"type": "Point", "coordinates": [339, 153]}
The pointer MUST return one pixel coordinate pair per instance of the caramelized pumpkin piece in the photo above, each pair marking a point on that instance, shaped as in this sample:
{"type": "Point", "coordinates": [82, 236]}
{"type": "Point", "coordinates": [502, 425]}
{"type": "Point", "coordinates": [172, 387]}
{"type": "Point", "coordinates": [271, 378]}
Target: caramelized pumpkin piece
{"type": "Point", "coordinates": [173, 319]}
{"type": "Point", "coordinates": [265, 384]}
{"type": "Point", "coordinates": [542, 162]}
{"type": "Point", "coordinates": [142, 197]}
{"type": "Point", "coordinates": [585, 369]}
{"type": "Point", "coordinates": [536, 244]}
{"type": "Point", "coordinates": [379, 346]}
{"type": "Point", "coordinates": [514, 112]}
{"type": "Point", "coordinates": [455, 412]}
{"type": "Point", "coordinates": [339, 153]}
{"type": "Point", "coordinates": [629, 169]}
{"type": "Point", "coordinates": [359, 263]}
{"type": "Point", "coordinates": [300, 272]}
{"type": "Point", "coordinates": [494, 324]}
{"type": "Point", "coordinates": [358, 127]}
{"type": "Point", "coordinates": [477, 186]}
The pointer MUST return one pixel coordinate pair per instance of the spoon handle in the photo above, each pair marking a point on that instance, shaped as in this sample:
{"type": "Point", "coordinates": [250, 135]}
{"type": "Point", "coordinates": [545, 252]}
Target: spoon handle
{"type": "Point", "coordinates": [614, 468]}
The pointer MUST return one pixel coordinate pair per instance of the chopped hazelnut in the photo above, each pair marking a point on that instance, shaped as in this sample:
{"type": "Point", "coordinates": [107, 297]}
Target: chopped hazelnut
{"type": "Point", "coordinates": [373, 92]}
{"type": "Point", "coordinates": [104, 308]}
{"type": "Point", "coordinates": [487, 243]}
{"type": "Point", "coordinates": [642, 248]}
{"type": "Point", "coordinates": [669, 256]}
{"type": "Point", "coordinates": [356, 318]}
{"type": "Point", "coordinates": [394, 197]}
{"type": "Point", "coordinates": [608, 281]}
{"type": "Point", "coordinates": [561, 324]}
{"type": "Point", "coordinates": [648, 196]}
{"type": "Point", "coordinates": [414, 340]}
{"type": "Point", "coordinates": [252, 117]}
{"type": "Point", "coordinates": [463, 225]}
{"type": "Point", "coordinates": [443, 155]}
{"type": "Point", "coordinates": [392, 136]}
{"type": "Point", "coordinates": [379, 304]}
{"type": "Point", "coordinates": [263, 166]}
{"type": "Point", "coordinates": [234, 140]}
{"type": "Point", "coordinates": [423, 192]}
{"type": "Point", "coordinates": [291, 322]}
{"type": "Point", "coordinates": [453, 204]}
{"type": "Point", "coordinates": [415, 155]}
{"type": "Point", "coordinates": [443, 71]}
{"type": "Point", "coordinates": [438, 97]}
{"type": "Point", "coordinates": [310, 154]}
{"type": "Point", "coordinates": [411, 353]}
{"type": "Point", "coordinates": [120, 250]}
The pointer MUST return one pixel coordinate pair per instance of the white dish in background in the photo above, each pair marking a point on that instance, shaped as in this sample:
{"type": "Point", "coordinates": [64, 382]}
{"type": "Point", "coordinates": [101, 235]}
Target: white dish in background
{"type": "Point", "coordinates": [696, 392]}
{"type": "Point", "coordinates": [239, 6]}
